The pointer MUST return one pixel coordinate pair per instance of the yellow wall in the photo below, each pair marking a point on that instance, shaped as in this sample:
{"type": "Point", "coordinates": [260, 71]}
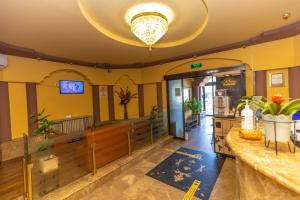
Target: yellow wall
{"type": "Point", "coordinates": [31, 70]}
{"type": "Point", "coordinates": [150, 97]}
{"type": "Point", "coordinates": [280, 54]}
{"type": "Point", "coordinates": [60, 105]}
{"type": "Point", "coordinates": [188, 82]}
{"type": "Point", "coordinates": [46, 74]}
{"type": "Point", "coordinates": [18, 109]}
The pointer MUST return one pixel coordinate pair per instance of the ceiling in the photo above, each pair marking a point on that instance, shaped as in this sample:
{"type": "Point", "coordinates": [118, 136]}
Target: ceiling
{"type": "Point", "coordinates": [58, 27]}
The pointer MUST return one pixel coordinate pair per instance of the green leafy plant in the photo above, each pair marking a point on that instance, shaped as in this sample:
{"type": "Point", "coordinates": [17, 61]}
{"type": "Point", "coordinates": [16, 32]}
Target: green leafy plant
{"type": "Point", "coordinates": [277, 106]}
{"type": "Point", "coordinates": [45, 128]}
{"type": "Point", "coordinates": [187, 105]}
{"type": "Point", "coordinates": [196, 106]}
{"type": "Point", "coordinates": [154, 114]}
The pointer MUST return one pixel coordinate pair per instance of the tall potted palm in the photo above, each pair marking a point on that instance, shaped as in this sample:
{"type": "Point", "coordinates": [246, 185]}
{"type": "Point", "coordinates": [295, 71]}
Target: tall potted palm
{"type": "Point", "coordinates": [196, 106]}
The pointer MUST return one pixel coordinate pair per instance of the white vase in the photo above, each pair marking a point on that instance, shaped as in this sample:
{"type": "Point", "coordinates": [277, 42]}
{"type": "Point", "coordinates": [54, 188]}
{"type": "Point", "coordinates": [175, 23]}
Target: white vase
{"type": "Point", "coordinates": [283, 127]}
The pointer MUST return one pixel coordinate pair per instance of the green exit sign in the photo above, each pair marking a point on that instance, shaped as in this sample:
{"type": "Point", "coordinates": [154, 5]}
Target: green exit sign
{"type": "Point", "coordinates": [196, 65]}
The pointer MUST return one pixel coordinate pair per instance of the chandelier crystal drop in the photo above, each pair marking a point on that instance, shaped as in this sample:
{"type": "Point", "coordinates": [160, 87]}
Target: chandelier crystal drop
{"type": "Point", "coordinates": [149, 27]}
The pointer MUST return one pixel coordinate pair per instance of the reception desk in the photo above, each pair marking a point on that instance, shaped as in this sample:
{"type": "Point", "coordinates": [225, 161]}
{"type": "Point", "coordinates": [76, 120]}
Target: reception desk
{"type": "Point", "coordinates": [261, 175]}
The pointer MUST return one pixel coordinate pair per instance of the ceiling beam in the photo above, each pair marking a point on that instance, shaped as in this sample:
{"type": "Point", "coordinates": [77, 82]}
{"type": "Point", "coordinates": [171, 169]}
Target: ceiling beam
{"type": "Point", "coordinates": [267, 36]}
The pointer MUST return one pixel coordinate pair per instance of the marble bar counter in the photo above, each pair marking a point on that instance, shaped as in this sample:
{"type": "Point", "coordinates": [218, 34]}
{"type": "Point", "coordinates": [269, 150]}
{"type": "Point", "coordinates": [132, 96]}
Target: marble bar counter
{"type": "Point", "coordinates": [260, 173]}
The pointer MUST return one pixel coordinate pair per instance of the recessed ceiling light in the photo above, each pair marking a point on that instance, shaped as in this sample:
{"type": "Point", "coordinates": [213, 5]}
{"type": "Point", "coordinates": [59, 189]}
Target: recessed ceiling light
{"type": "Point", "coordinates": [286, 15]}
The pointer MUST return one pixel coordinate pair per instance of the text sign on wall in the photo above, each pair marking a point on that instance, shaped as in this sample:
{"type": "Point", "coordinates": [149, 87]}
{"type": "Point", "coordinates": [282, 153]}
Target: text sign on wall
{"type": "Point", "coordinates": [277, 80]}
{"type": "Point", "coordinates": [103, 91]}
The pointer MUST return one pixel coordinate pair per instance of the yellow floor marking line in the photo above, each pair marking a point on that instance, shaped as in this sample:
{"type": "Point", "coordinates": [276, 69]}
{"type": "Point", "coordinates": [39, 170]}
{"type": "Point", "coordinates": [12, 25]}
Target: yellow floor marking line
{"type": "Point", "coordinates": [191, 192]}
{"type": "Point", "coordinates": [183, 153]}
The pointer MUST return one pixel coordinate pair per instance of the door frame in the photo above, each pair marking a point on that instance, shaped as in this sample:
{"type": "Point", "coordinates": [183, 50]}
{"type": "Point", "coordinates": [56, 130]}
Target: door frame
{"type": "Point", "coordinates": [168, 109]}
{"type": "Point", "coordinates": [201, 73]}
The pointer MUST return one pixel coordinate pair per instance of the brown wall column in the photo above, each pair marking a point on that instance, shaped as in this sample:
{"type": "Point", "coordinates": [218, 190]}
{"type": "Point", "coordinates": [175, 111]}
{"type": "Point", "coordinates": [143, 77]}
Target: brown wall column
{"type": "Point", "coordinates": [141, 100]}
{"type": "Point", "coordinates": [111, 105]}
{"type": "Point", "coordinates": [294, 82]}
{"type": "Point", "coordinates": [196, 92]}
{"type": "Point", "coordinates": [96, 104]}
{"type": "Point", "coordinates": [5, 129]}
{"type": "Point", "coordinates": [31, 107]}
{"type": "Point", "coordinates": [260, 83]}
{"type": "Point", "coordinates": [159, 96]}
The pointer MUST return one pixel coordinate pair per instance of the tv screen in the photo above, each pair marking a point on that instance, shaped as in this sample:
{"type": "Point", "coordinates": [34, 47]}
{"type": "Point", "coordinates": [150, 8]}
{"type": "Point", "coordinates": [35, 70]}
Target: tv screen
{"type": "Point", "coordinates": [71, 87]}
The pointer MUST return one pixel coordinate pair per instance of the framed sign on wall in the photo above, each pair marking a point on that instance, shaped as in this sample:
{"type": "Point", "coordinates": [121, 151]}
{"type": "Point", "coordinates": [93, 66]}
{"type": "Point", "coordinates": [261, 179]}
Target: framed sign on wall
{"type": "Point", "coordinates": [277, 80]}
{"type": "Point", "coordinates": [103, 91]}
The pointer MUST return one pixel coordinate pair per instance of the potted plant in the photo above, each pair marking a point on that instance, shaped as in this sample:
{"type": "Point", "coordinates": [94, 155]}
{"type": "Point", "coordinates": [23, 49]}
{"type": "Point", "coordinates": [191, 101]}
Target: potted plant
{"type": "Point", "coordinates": [187, 108]}
{"type": "Point", "coordinates": [45, 128]}
{"type": "Point", "coordinates": [196, 108]}
{"type": "Point", "coordinates": [125, 97]}
{"type": "Point", "coordinates": [154, 114]}
{"type": "Point", "coordinates": [277, 116]}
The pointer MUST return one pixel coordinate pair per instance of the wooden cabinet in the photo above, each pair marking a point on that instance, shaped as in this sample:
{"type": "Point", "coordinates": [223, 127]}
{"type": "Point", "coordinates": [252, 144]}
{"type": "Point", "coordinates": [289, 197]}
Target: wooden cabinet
{"type": "Point", "coordinates": [221, 128]}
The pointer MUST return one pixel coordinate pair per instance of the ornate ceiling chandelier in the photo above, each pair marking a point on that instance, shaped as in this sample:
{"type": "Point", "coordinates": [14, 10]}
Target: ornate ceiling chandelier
{"type": "Point", "coordinates": [149, 27]}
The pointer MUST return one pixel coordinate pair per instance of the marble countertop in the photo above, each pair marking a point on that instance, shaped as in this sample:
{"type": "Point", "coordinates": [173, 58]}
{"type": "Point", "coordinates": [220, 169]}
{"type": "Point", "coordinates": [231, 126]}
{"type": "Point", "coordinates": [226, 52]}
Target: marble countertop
{"type": "Point", "coordinates": [283, 168]}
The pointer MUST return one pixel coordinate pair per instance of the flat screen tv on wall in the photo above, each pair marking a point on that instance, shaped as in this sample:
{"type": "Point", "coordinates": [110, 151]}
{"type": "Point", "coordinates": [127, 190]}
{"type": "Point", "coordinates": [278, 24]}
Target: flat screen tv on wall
{"type": "Point", "coordinates": [71, 87]}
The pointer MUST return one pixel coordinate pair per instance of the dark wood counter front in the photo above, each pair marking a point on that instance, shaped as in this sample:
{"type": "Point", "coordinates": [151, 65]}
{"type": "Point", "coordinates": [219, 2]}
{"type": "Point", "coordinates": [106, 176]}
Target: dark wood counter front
{"type": "Point", "coordinates": [111, 142]}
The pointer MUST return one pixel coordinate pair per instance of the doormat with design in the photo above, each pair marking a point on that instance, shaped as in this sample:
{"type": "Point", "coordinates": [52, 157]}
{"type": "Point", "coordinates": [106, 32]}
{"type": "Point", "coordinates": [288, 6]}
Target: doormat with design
{"type": "Point", "coordinates": [186, 165]}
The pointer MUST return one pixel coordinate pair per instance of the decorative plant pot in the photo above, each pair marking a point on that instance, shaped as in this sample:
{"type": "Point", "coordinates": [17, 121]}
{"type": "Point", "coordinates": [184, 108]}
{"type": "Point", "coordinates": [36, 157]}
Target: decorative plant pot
{"type": "Point", "coordinates": [281, 124]}
{"type": "Point", "coordinates": [125, 112]}
{"type": "Point", "coordinates": [199, 118]}
{"type": "Point", "coordinates": [48, 164]}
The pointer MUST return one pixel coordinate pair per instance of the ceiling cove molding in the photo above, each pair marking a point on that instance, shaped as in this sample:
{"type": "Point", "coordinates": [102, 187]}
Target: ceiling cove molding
{"type": "Point", "coordinates": [267, 36]}
{"type": "Point", "coordinates": [102, 29]}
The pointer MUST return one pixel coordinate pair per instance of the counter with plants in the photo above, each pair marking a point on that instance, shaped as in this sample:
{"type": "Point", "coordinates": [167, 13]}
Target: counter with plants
{"type": "Point", "coordinates": [262, 174]}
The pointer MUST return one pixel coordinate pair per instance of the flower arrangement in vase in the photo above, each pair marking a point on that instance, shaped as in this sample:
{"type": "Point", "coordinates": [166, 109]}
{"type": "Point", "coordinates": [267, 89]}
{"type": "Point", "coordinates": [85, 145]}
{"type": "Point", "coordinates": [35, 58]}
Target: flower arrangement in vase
{"type": "Point", "coordinates": [125, 97]}
{"type": "Point", "coordinates": [277, 116]}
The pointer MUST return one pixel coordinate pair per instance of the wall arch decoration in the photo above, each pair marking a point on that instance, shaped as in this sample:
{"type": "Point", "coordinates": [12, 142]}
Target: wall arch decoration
{"type": "Point", "coordinates": [66, 70]}
{"type": "Point", "coordinates": [60, 106]}
{"type": "Point", "coordinates": [124, 76]}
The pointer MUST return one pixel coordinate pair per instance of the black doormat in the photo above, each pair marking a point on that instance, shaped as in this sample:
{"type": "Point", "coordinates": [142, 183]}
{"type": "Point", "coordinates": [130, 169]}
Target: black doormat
{"type": "Point", "coordinates": [186, 165]}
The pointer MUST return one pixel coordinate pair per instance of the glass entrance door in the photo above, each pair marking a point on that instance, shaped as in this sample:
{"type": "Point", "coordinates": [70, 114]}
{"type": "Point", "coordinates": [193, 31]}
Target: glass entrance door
{"type": "Point", "coordinates": [210, 89]}
{"type": "Point", "coordinates": [176, 108]}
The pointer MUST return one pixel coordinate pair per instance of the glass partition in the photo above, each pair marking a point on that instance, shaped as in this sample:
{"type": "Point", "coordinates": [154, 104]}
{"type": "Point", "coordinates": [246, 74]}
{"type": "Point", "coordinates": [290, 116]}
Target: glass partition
{"type": "Point", "coordinates": [62, 163]}
{"type": "Point", "coordinates": [176, 110]}
{"type": "Point", "coordinates": [60, 159]}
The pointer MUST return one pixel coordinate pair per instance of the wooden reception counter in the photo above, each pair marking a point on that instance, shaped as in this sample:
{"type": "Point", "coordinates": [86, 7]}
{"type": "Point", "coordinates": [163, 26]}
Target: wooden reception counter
{"type": "Point", "coordinates": [111, 142]}
{"type": "Point", "coordinates": [261, 174]}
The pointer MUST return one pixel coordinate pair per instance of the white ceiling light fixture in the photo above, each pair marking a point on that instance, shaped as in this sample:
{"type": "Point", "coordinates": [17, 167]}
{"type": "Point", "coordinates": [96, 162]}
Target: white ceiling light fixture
{"type": "Point", "coordinates": [149, 27]}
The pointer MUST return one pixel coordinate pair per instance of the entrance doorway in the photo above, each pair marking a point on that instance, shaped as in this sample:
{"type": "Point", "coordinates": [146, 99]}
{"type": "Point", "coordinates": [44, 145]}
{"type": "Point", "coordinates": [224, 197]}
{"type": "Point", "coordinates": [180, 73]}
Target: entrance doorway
{"type": "Point", "coordinates": [202, 86]}
{"type": "Point", "coordinates": [208, 96]}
